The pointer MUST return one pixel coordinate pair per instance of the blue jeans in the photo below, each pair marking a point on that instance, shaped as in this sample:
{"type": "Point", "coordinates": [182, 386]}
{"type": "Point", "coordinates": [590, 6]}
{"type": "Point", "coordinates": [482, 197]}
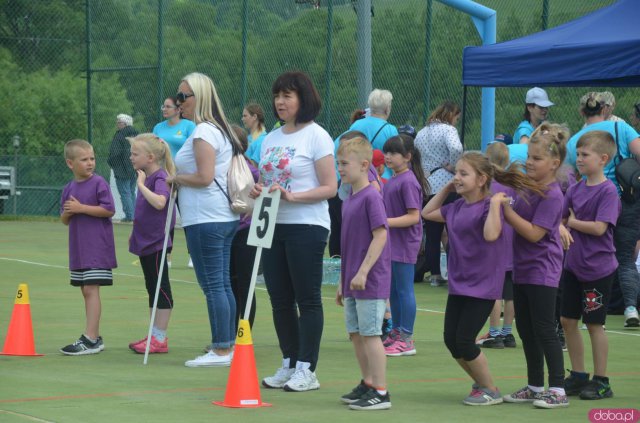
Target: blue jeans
{"type": "Point", "coordinates": [293, 274]}
{"type": "Point", "coordinates": [127, 190]}
{"type": "Point", "coordinates": [210, 248]}
{"type": "Point", "coordinates": [402, 298]}
{"type": "Point", "coordinates": [625, 236]}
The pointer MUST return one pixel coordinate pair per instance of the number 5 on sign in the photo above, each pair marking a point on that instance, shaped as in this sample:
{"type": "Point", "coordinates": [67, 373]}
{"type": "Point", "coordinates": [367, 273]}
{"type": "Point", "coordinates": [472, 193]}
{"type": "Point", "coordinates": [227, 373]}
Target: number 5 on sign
{"type": "Point", "coordinates": [263, 220]}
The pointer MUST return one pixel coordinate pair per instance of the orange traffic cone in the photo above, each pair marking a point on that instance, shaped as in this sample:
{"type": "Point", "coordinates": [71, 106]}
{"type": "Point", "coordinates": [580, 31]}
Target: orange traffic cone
{"type": "Point", "coordinates": [19, 340]}
{"type": "Point", "coordinates": [243, 390]}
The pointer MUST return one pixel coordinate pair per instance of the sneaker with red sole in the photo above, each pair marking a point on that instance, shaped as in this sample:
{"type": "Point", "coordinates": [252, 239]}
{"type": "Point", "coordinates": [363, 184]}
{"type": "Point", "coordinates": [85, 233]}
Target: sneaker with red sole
{"type": "Point", "coordinates": [156, 346]}
{"type": "Point", "coordinates": [400, 348]}
{"type": "Point", "coordinates": [140, 341]}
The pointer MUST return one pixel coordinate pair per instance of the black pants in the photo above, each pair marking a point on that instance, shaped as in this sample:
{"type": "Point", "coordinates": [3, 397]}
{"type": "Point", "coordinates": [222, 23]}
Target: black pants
{"type": "Point", "coordinates": [464, 317]}
{"type": "Point", "coordinates": [150, 265]}
{"type": "Point", "coordinates": [335, 213]}
{"type": "Point", "coordinates": [241, 266]}
{"type": "Point", "coordinates": [293, 274]}
{"type": "Point", "coordinates": [535, 320]}
{"type": "Point", "coordinates": [432, 237]}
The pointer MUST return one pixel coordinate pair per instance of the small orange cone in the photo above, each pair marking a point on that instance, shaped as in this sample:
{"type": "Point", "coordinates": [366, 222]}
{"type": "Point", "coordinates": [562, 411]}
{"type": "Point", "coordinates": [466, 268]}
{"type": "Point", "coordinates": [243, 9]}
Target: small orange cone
{"type": "Point", "coordinates": [243, 390]}
{"type": "Point", "coordinates": [19, 340]}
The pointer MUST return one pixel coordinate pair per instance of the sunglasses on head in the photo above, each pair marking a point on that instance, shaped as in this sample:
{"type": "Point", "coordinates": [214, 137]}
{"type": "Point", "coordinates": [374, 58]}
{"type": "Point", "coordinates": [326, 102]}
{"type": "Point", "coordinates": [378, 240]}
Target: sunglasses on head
{"type": "Point", "coordinates": [182, 97]}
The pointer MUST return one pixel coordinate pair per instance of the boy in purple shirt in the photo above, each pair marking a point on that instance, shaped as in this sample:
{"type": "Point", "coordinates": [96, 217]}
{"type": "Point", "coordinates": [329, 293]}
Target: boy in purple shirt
{"type": "Point", "coordinates": [87, 208]}
{"type": "Point", "coordinates": [365, 274]}
{"type": "Point", "coordinates": [591, 210]}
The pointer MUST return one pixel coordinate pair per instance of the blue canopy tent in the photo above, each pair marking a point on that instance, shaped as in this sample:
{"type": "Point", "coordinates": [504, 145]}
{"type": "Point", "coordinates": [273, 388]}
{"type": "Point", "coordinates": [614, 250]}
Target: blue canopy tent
{"type": "Point", "coordinates": [598, 49]}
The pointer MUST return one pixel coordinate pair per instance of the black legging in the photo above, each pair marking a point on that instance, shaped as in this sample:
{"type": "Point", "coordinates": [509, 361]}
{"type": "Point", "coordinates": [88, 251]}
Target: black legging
{"type": "Point", "coordinates": [433, 235]}
{"type": "Point", "coordinates": [150, 265]}
{"type": "Point", "coordinates": [241, 267]}
{"type": "Point", "coordinates": [464, 317]}
{"type": "Point", "coordinates": [335, 213]}
{"type": "Point", "coordinates": [535, 310]}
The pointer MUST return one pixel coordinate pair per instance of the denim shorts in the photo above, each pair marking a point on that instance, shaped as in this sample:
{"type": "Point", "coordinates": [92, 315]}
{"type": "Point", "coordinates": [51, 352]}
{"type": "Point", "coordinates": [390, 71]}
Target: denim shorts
{"type": "Point", "coordinates": [364, 316]}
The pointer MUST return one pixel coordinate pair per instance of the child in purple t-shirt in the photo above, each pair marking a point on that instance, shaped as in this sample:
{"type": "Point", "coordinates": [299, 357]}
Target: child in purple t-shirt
{"type": "Point", "coordinates": [475, 229]}
{"type": "Point", "coordinates": [365, 274]}
{"type": "Point", "coordinates": [151, 158]}
{"type": "Point", "coordinates": [537, 264]}
{"type": "Point", "coordinates": [591, 210]}
{"type": "Point", "coordinates": [403, 196]}
{"type": "Point", "coordinates": [87, 208]}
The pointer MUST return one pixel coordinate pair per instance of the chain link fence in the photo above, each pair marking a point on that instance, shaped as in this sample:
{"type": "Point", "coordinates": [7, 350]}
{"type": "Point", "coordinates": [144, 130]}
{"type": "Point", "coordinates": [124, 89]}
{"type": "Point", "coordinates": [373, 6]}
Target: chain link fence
{"type": "Point", "coordinates": [70, 66]}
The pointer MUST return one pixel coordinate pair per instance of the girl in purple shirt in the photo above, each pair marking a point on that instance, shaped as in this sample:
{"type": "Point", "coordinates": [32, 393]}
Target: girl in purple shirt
{"type": "Point", "coordinates": [403, 196]}
{"type": "Point", "coordinates": [475, 228]}
{"type": "Point", "coordinates": [537, 263]}
{"type": "Point", "coordinates": [151, 158]}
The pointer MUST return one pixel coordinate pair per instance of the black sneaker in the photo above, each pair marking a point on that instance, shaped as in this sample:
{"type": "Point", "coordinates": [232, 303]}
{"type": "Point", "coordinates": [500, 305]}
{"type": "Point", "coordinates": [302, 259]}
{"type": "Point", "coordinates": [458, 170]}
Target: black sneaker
{"type": "Point", "coordinates": [372, 400]}
{"type": "Point", "coordinates": [83, 346]}
{"type": "Point", "coordinates": [355, 394]}
{"type": "Point", "coordinates": [497, 343]}
{"type": "Point", "coordinates": [575, 383]}
{"type": "Point", "coordinates": [596, 389]}
{"type": "Point", "coordinates": [509, 341]}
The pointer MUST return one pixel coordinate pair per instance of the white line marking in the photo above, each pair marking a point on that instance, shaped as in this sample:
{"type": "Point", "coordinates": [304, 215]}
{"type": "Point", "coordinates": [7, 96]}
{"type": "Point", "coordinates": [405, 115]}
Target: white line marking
{"type": "Point", "coordinates": [26, 416]}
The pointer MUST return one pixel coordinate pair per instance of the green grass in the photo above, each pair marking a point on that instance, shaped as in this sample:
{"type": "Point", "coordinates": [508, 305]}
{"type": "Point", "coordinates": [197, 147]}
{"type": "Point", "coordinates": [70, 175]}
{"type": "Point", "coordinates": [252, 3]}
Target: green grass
{"type": "Point", "coordinates": [115, 386]}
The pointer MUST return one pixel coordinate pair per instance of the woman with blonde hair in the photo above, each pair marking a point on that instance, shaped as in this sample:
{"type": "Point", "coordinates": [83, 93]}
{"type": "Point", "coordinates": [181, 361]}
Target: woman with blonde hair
{"type": "Point", "coordinates": [210, 224]}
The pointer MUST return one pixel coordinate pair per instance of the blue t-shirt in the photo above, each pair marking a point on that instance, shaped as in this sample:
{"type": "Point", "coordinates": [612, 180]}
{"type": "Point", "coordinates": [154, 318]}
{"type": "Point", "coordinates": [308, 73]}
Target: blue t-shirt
{"type": "Point", "coordinates": [626, 134]}
{"type": "Point", "coordinates": [524, 130]}
{"type": "Point", "coordinates": [174, 135]}
{"type": "Point", "coordinates": [518, 153]}
{"type": "Point", "coordinates": [370, 127]}
{"type": "Point", "coordinates": [253, 152]}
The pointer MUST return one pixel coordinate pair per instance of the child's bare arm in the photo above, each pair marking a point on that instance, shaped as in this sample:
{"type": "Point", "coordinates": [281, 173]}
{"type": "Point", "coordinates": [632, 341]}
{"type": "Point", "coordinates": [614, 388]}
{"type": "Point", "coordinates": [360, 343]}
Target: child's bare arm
{"type": "Point", "coordinates": [359, 281]}
{"type": "Point", "coordinates": [594, 228]}
{"type": "Point", "coordinates": [524, 228]}
{"type": "Point", "coordinates": [493, 224]}
{"type": "Point", "coordinates": [73, 206]}
{"type": "Point", "coordinates": [157, 201]}
{"type": "Point", "coordinates": [432, 210]}
{"type": "Point", "coordinates": [411, 218]}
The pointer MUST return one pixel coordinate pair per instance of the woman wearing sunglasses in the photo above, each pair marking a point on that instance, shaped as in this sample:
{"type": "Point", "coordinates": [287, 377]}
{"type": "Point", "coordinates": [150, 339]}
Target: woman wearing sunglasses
{"type": "Point", "coordinates": [174, 129]}
{"type": "Point", "coordinates": [209, 222]}
{"type": "Point", "coordinates": [297, 159]}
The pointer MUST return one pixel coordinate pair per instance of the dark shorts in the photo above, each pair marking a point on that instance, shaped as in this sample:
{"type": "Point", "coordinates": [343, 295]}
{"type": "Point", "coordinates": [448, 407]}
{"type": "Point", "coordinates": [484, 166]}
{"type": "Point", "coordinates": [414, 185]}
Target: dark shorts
{"type": "Point", "coordinates": [507, 288]}
{"type": "Point", "coordinates": [586, 299]}
{"type": "Point", "coordinates": [82, 277]}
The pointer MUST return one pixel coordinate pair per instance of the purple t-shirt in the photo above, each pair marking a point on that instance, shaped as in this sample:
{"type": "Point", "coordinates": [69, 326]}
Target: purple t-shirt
{"type": "Point", "coordinates": [91, 244]}
{"type": "Point", "coordinates": [147, 236]}
{"type": "Point", "coordinates": [361, 214]}
{"type": "Point", "coordinates": [469, 274]}
{"type": "Point", "coordinates": [401, 193]}
{"type": "Point", "coordinates": [373, 176]}
{"type": "Point", "coordinates": [539, 263]}
{"type": "Point", "coordinates": [592, 257]}
{"type": "Point", "coordinates": [507, 230]}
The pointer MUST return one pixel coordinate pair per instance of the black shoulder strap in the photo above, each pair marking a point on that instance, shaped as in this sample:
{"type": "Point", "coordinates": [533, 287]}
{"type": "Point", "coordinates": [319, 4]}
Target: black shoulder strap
{"type": "Point", "coordinates": [376, 135]}
{"type": "Point", "coordinates": [618, 155]}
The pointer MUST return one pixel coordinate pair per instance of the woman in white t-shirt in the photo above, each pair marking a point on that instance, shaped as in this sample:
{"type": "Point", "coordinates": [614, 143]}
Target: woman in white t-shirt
{"type": "Point", "coordinates": [297, 159]}
{"type": "Point", "coordinates": [209, 222]}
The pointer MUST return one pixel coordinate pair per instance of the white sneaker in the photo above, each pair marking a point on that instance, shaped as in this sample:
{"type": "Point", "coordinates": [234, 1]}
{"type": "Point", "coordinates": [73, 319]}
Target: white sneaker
{"type": "Point", "coordinates": [302, 379]}
{"type": "Point", "coordinates": [210, 359]}
{"type": "Point", "coordinates": [631, 319]}
{"type": "Point", "coordinates": [169, 264]}
{"type": "Point", "coordinates": [282, 376]}
{"type": "Point", "coordinates": [190, 265]}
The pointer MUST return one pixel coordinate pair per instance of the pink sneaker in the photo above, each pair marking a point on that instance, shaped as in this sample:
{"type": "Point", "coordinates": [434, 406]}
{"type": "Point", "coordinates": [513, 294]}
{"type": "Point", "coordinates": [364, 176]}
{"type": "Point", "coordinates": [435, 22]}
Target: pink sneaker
{"type": "Point", "coordinates": [140, 341]}
{"type": "Point", "coordinates": [155, 348]}
{"type": "Point", "coordinates": [400, 348]}
{"type": "Point", "coordinates": [392, 337]}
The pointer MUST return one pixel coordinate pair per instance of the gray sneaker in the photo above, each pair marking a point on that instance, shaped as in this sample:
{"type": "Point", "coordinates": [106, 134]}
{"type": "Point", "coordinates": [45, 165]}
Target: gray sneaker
{"type": "Point", "coordinates": [483, 396]}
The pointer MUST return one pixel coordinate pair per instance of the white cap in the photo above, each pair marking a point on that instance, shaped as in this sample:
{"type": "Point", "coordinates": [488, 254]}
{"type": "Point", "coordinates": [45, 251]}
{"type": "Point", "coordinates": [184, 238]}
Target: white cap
{"type": "Point", "coordinates": [538, 96]}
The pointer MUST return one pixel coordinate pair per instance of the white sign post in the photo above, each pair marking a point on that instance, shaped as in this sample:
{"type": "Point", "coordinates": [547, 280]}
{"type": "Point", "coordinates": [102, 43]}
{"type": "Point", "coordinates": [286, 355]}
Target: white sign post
{"type": "Point", "coordinates": [263, 222]}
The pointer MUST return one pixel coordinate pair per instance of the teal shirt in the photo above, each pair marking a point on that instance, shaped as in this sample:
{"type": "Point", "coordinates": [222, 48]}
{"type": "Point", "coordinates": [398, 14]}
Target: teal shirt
{"type": "Point", "coordinates": [524, 130]}
{"type": "Point", "coordinates": [174, 135]}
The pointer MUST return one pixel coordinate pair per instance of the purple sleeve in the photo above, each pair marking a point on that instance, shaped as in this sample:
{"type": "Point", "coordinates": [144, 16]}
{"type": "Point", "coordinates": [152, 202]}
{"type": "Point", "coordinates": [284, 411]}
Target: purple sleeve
{"type": "Point", "coordinates": [412, 195]}
{"type": "Point", "coordinates": [609, 206]}
{"type": "Point", "coordinates": [160, 187]}
{"type": "Point", "coordinates": [376, 212]}
{"type": "Point", "coordinates": [64, 197]}
{"type": "Point", "coordinates": [567, 203]}
{"type": "Point", "coordinates": [373, 174]}
{"type": "Point", "coordinates": [548, 211]}
{"type": "Point", "coordinates": [105, 199]}
{"type": "Point", "coordinates": [445, 210]}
